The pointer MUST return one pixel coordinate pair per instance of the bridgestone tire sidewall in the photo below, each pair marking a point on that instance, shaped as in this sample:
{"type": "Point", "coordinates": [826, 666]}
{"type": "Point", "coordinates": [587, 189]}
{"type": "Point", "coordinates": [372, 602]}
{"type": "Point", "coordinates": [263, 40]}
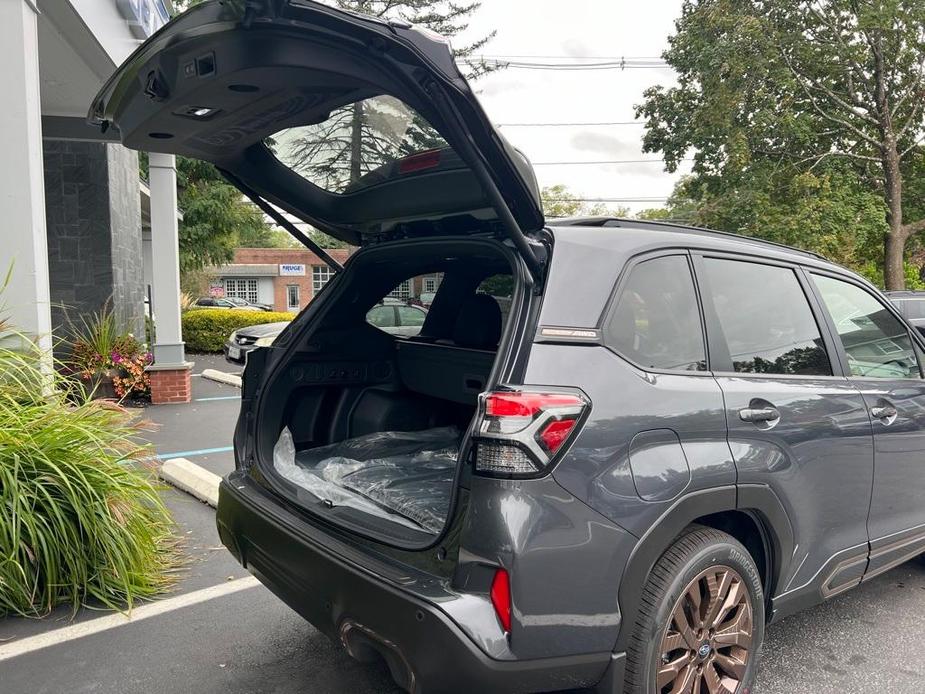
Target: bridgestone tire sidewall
{"type": "Point", "coordinates": [735, 556]}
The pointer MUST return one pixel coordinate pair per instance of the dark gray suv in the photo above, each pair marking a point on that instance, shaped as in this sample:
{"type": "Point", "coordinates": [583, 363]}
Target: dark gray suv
{"type": "Point", "coordinates": [615, 450]}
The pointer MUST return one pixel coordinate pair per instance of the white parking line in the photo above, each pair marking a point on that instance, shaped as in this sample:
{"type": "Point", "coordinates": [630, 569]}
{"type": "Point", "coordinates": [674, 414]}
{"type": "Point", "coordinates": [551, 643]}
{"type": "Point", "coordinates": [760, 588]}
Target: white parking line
{"type": "Point", "coordinates": [95, 626]}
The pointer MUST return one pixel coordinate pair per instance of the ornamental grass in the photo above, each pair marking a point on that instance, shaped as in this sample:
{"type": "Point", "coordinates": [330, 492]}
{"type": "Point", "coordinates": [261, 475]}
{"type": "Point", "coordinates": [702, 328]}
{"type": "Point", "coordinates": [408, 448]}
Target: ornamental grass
{"type": "Point", "coordinates": [81, 520]}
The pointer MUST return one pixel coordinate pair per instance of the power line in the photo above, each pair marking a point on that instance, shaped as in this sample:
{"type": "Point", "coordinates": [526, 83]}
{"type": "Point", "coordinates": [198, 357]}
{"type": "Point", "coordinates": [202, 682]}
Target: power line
{"type": "Point", "coordinates": [569, 125]}
{"type": "Point", "coordinates": [567, 57]}
{"type": "Point", "coordinates": [600, 162]}
{"type": "Point", "coordinates": [562, 67]}
{"type": "Point", "coordinates": [648, 199]}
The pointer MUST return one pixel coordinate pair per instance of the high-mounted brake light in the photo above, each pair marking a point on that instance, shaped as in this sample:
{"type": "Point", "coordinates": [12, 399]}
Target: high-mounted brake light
{"type": "Point", "coordinates": [501, 598]}
{"type": "Point", "coordinates": [419, 162]}
{"type": "Point", "coordinates": [521, 431]}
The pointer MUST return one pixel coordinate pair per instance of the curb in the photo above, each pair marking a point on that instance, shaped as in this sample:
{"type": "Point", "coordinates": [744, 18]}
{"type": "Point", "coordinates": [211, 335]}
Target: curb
{"type": "Point", "coordinates": [191, 478]}
{"type": "Point", "coordinates": [222, 377]}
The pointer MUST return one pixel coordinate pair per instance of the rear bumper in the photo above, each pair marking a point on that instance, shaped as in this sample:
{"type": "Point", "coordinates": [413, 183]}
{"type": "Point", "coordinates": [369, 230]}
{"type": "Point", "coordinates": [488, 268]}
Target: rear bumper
{"type": "Point", "coordinates": [426, 651]}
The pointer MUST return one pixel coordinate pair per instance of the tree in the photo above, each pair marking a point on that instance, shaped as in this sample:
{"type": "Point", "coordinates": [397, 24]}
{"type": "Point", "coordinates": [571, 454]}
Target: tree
{"type": "Point", "coordinates": [559, 201]}
{"type": "Point", "coordinates": [216, 217]}
{"type": "Point", "coordinates": [783, 98]}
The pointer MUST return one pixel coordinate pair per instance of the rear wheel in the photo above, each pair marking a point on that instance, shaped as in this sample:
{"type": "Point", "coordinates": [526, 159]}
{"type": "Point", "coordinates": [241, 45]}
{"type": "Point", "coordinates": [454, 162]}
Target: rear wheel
{"type": "Point", "coordinates": [701, 619]}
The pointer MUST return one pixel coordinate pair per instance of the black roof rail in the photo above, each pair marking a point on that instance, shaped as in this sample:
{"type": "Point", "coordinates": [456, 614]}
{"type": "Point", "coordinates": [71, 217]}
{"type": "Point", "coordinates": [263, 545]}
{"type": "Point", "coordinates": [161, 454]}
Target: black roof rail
{"type": "Point", "coordinates": [655, 224]}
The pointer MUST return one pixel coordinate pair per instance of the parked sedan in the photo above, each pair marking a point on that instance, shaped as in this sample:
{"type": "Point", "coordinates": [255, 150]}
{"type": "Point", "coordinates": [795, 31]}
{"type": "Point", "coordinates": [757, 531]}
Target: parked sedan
{"type": "Point", "coordinates": [214, 302]}
{"type": "Point", "coordinates": [244, 340]}
{"type": "Point", "coordinates": [394, 318]}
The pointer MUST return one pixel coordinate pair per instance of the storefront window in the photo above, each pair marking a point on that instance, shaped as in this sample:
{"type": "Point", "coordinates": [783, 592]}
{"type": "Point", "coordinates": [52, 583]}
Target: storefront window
{"type": "Point", "coordinates": [320, 276]}
{"type": "Point", "coordinates": [242, 289]}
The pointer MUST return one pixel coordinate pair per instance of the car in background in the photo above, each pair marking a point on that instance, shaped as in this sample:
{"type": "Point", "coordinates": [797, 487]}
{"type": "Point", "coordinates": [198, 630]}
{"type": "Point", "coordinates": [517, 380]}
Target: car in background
{"type": "Point", "coordinates": [241, 303]}
{"type": "Point", "coordinates": [224, 302]}
{"type": "Point", "coordinates": [912, 305]}
{"type": "Point", "coordinates": [405, 320]}
{"type": "Point", "coordinates": [395, 318]}
{"type": "Point", "coordinates": [244, 340]}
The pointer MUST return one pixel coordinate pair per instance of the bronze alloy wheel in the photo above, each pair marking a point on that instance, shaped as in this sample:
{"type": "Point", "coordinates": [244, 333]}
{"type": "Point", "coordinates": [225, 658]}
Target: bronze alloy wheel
{"type": "Point", "coordinates": [708, 640]}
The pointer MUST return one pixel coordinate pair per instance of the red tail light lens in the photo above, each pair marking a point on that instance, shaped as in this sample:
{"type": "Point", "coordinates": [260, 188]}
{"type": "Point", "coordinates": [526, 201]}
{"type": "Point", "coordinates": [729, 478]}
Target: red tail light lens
{"type": "Point", "coordinates": [519, 404]}
{"type": "Point", "coordinates": [521, 431]}
{"type": "Point", "coordinates": [555, 433]}
{"type": "Point", "coordinates": [501, 598]}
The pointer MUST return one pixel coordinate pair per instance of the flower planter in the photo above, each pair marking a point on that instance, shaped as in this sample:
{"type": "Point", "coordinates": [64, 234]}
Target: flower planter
{"type": "Point", "coordinates": [100, 384]}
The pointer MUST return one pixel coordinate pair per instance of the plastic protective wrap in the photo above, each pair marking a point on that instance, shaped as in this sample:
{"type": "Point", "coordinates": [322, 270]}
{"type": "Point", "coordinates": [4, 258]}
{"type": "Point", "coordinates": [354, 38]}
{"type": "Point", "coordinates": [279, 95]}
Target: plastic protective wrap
{"type": "Point", "coordinates": [404, 476]}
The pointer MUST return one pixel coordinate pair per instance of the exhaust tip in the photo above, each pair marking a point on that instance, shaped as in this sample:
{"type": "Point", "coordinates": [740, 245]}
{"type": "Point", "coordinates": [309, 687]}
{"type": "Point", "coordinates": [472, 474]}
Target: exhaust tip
{"type": "Point", "coordinates": [366, 646]}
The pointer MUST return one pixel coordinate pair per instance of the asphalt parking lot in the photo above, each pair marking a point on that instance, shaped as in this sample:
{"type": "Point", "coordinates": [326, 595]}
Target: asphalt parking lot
{"type": "Point", "coordinates": [217, 632]}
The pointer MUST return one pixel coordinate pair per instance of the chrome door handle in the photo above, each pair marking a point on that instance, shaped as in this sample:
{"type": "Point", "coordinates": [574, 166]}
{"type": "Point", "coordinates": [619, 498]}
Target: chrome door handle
{"type": "Point", "coordinates": [759, 414]}
{"type": "Point", "coordinates": [884, 412]}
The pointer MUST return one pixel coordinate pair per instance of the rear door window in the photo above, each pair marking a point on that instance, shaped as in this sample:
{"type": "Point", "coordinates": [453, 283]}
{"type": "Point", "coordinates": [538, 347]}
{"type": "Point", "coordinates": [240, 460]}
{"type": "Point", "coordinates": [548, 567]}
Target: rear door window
{"type": "Point", "coordinates": [766, 319]}
{"type": "Point", "coordinates": [410, 316]}
{"type": "Point", "coordinates": [656, 320]}
{"type": "Point", "coordinates": [381, 316]}
{"type": "Point", "coordinates": [876, 343]}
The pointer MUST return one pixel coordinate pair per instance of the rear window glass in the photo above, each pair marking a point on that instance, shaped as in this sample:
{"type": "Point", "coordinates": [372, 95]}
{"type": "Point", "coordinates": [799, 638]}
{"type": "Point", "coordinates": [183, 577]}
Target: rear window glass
{"type": "Point", "coordinates": [656, 321]}
{"type": "Point", "coordinates": [767, 321]}
{"type": "Point", "coordinates": [351, 149]}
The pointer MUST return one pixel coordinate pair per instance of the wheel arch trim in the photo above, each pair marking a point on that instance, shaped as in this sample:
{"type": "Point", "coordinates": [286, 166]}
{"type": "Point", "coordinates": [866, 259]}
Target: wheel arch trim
{"type": "Point", "coordinates": [756, 499]}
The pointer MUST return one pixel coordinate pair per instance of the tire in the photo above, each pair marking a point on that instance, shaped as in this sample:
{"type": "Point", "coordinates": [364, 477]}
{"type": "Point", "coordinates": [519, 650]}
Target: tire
{"type": "Point", "coordinates": [706, 654]}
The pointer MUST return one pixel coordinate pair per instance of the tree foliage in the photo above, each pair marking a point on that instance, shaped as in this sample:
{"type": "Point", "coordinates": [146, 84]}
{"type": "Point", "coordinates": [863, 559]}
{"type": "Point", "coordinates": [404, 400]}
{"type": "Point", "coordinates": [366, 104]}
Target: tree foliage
{"type": "Point", "coordinates": [216, 217]}
{"type": "Point", "coordinates": [802, 117]}
{"type": "Point", "coordinates": [559, 201]}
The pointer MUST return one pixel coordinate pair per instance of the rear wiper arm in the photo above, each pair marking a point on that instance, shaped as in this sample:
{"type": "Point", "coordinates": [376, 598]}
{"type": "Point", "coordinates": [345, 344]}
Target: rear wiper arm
{"type": "Point", "coordinates": [281, 220]}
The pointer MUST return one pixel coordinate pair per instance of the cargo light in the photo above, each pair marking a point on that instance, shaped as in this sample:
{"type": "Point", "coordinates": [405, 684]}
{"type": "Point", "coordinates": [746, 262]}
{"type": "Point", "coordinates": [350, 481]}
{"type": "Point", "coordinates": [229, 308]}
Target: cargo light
{"type": "Point", "coordinates": [521, 432]}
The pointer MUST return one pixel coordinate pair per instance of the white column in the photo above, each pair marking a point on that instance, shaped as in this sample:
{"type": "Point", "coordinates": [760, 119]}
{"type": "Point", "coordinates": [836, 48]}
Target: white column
{"type": "Point", "coordinates": [165, 257]}
{"type": "Point", "coordinates": [22, 184]}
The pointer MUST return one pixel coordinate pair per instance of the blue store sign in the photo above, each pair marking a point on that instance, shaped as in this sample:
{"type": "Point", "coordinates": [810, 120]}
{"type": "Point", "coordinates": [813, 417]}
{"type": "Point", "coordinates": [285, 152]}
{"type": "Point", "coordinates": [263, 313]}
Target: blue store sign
{"type": "Point", "coordinates": [144, 17]}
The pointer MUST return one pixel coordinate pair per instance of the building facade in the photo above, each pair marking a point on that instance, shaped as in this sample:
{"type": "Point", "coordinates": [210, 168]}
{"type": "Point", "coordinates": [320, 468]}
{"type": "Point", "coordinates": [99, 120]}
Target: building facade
{"type": "Point", "coordinates": [288, 278]}
{"type": "Point", "coordinates": [73, 206]}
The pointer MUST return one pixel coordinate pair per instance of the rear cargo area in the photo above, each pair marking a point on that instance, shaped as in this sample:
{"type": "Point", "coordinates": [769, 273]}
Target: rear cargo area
{"type": "Point", "coordinates": [366, 421]}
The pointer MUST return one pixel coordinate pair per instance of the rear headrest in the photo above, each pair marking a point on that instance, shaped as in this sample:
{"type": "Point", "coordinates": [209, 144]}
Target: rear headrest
{"type": "Point", "coordinates": [478, 325]}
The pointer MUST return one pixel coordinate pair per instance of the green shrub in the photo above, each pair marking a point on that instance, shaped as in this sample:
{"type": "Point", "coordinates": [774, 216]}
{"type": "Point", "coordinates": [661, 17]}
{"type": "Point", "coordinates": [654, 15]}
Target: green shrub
{"type": "Point", "coordinates": [206, 330]}
{"type": "Point", "coordinates": [81, 519]}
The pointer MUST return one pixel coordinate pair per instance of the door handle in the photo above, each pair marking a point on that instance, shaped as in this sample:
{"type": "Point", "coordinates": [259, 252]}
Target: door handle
{"type": "Point", "coordinates": [884, 412]}
{"type": "Point", "coordinates": [759, 414]}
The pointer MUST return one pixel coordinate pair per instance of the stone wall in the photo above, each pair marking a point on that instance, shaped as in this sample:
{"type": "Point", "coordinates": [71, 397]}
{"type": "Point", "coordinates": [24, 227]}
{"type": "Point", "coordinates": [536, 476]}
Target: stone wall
{"type": "Point", "coordinates": [93, 214]}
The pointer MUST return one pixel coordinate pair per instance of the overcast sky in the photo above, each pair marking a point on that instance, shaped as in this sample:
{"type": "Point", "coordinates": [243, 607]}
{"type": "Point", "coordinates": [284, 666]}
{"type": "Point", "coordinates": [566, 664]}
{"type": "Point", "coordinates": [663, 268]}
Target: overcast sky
{"type": "Point", "coordinates": [597, 28]}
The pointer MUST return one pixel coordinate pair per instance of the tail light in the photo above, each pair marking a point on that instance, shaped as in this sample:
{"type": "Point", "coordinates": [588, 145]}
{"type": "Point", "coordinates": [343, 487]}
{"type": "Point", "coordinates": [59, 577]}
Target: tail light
{"type": "Point", "coordinates": [501, 598]}
{"type": "Point", "coordinates": [521, 432]}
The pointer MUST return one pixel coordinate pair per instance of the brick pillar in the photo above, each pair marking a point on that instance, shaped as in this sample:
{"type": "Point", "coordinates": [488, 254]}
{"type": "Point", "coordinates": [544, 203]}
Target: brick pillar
{"type": "Point", "coordinates": [171, 384]}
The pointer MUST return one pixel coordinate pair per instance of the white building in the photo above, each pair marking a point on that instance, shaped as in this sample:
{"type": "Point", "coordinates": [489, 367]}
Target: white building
{"type": "Point", "coordinates": [71, 202]}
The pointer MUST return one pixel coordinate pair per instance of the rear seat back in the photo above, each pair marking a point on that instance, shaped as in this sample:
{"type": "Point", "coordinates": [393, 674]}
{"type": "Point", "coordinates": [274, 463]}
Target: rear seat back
{"type": "Point", "coordinates": [455, 370]}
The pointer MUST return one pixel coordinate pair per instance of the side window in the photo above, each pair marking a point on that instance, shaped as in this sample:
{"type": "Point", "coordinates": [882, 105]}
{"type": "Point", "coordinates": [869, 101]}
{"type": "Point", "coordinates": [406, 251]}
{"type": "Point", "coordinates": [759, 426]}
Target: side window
{"type": "Point", "coordinates": [410, 316]}
{"type": "Point", "coordinates": [656, 322]}
{"type": "Point", "coordinates": [766, 319]}
{"type": "Point", "coordinates": [876, 342]}
{"type": "Point", "coordinates": [381, 316]}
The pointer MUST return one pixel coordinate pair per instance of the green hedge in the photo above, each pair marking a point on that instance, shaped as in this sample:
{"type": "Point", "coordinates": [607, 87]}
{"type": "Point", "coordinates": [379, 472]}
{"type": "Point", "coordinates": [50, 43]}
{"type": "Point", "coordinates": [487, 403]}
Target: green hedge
{"type": "Point", "coordinates": [205, 330]}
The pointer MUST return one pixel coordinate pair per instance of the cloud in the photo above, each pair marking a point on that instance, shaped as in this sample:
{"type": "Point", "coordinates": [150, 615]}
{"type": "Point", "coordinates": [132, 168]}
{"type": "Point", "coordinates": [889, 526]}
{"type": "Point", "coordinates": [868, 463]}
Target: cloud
{"type": "Point", "coordinates": [608, 146]}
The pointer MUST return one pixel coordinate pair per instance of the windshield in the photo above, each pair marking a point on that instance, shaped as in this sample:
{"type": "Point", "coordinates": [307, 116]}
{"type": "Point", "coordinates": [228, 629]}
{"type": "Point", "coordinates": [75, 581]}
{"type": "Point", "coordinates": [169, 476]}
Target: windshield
{"type": "Point", "coordinates": [355, 140]}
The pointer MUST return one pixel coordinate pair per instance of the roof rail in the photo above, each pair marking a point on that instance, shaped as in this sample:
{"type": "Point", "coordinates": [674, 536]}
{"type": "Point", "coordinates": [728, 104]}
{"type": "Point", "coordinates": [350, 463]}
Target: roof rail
{"type": "Point", "coordinates": [671, 226]}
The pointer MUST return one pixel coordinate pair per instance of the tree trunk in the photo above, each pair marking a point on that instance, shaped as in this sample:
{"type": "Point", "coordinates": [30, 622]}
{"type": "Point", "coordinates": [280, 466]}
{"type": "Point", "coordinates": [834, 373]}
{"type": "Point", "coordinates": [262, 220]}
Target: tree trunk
{"type": "Point", "coordinates": [356, 142]}
{"type": "Point", "coordinates": [894, 276]}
